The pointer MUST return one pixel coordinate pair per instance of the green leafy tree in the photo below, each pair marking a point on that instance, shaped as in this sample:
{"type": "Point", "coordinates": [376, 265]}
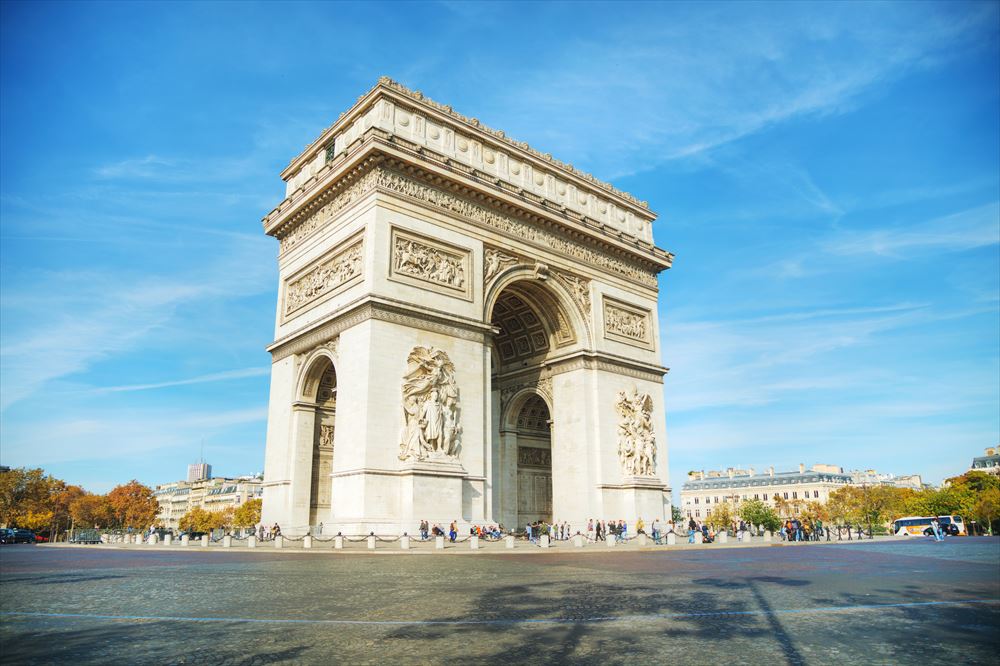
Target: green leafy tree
{"type": "Point", "coordinates": [722, 516]}
{"type": "Point", "coordinates": [759, 514]}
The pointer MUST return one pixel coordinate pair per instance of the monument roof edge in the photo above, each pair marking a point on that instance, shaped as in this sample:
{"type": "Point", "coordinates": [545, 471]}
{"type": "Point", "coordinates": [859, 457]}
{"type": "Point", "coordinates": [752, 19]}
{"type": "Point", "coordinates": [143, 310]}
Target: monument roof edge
{"type": "Point", "coordinates": [386, 84]}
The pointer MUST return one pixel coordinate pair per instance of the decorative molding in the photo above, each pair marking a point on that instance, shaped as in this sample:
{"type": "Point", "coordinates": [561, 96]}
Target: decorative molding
{"type": "Point", "coordinates": [495, 261]}
{"type": "Point", "coordinates": [636, 441]}
{"type": "Point", "coordinates": [531, 456]}
{"type": "Point", "coordinates": [627, 323]}
{"type": "Point", "coordinates": [301, 342]}
{"type": "Point", "coordinates": [331, 274]}
{"type": "Point", "coordinates": [580, 289]}
{"type": "Point", "coordinates": [431, 411]}
{"type": "Point", "coordinates": [396, 183]}
{"type": "Point", "coordinates": [430, 264]}
{"type": "Point", "coordinates": [337, 199]}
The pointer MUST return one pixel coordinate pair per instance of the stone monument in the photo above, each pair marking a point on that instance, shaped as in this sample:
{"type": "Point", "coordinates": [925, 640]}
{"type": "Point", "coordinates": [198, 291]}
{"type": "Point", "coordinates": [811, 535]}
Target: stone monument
{"type": "Point", "coordinates": [466, 330]}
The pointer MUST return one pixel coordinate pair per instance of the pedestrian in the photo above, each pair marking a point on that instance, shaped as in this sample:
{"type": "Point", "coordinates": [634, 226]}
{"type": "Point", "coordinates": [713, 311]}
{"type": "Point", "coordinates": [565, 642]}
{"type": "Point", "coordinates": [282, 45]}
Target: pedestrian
{"type": "Point", "coordinates": [692, 528]}
{"type": "Point", "coordinates": [527, 530]}
{"type": "Point", "coordinates": [423, 529]}
{"type": "Point", "coordinates": [453, 531]}
{"type": "Point", "coordinates": [936, 528]}
{"type": "Point", "coordinates": [655, 527]}
{"type": "Point", "coordinates": [590, 529]}
{"type": "Point", "coordinates": [640, 526]}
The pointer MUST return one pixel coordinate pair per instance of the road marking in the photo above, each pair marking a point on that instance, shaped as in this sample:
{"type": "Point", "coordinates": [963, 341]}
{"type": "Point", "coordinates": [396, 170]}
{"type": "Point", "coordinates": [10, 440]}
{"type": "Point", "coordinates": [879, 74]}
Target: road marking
{"type": "Point", "coordinates": [510, 621]}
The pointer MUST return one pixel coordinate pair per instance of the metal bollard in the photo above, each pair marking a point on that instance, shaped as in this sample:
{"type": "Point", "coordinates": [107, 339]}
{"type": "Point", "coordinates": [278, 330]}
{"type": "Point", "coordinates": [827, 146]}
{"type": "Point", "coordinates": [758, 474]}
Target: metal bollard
{"type": "Point", "coordinates": [252, 541]}
{"type": "Point", "coordinates": [307, 541]}
{"type": "Point", "coordinates": [338, 542]}
{"type": "Point", "coordinates": [227, 541]}
{"type": "Point", "coordinates": [510, 540]}
{"type": "Point", "coordinates": [578, 540]}
{"type": "Point", "coordinates": [439, 543]}
{"type": "Point", "coordinates": [404, 542]}
{"type": "Point", "coordinates": [371, 542]}
{"type": "Point", "coordinates": [279, 541]}
{"type": "Point", "coordinates": [474, 543]}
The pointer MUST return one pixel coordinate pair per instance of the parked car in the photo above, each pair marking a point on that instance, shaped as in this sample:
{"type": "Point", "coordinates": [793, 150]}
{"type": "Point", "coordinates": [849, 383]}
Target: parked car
{"type": "Point", "coordinates": [41, 539]}
{"type": "Point", "coordinates": [10, 535]}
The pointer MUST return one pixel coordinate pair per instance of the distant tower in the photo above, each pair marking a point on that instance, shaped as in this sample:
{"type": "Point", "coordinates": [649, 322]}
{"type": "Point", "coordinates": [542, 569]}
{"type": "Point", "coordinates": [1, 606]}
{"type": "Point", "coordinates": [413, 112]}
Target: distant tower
{"type": "Point", "coordinates": [199, 472]}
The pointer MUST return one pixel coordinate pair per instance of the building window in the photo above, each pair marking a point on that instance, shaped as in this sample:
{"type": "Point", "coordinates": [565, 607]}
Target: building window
{"type": "Point", "coordinates": [695, 500]}
{"type": "Point", "coordinates": [765, 497]}
{"type": "Point", "coordinates": [815, 493]}
{"type": "Point", "coordinates": [786, 495]}
{"type": "Point", "coordinates": [697, 513]}
{"type": "Point", "coordinates": [795, 495]}
{"type": "Point", "coordinates": [716, 499]}
{"type": "Point", "coordinates": [756, 496]}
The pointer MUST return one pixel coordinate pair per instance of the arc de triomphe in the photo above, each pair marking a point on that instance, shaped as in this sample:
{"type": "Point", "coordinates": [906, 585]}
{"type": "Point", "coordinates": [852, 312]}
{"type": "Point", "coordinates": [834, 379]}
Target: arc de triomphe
{"type": "Point", "coordinates": [466, 330]}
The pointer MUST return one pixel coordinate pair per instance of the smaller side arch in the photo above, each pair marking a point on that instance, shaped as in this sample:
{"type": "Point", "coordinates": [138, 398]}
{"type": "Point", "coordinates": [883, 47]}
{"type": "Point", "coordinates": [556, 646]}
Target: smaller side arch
{"type": "Point", "coordinates": [548, 289]}
{"type": "Point", "coordinates": [515, 404]}
{"type": "Point", "coordinates": [314, 365]}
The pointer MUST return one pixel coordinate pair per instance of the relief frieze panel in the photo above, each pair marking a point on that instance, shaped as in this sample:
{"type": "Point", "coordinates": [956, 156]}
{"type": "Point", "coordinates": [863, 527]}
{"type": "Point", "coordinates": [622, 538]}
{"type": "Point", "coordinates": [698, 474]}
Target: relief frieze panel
{"type": "Point", "coordinates": [431, 264]}
{"type": "Point", "coordinates": [327, 277]}
{"type": "Point", "coordinates": [627, 323]}
{"type": "Point", "coordinates": [531, 456]}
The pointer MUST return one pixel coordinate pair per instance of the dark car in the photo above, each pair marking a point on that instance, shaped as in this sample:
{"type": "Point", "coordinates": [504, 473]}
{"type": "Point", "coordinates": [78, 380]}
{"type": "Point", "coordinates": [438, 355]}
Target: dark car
{"type": "Point", "coordinates": [947, 529]}
{"type": "Point", "coordinates": [16, 536]}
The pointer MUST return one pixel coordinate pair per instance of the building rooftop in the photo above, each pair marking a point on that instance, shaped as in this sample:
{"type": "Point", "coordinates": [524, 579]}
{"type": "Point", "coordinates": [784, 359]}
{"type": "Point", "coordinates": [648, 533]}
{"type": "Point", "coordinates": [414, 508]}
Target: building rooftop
{"type": "Point", "coordinates": [749, 480]}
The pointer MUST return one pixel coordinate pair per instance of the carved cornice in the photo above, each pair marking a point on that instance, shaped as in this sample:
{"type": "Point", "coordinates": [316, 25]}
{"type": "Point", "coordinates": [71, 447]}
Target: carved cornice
{"type": "Point", "coordinates": [383, 310]}
{"type": "Point", "coordinates": [608, 363]}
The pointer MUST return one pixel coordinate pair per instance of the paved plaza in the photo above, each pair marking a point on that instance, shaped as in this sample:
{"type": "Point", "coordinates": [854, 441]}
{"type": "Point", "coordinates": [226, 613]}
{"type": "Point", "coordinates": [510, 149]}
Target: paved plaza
{"type": "Point", "coordinates": [873, 602]}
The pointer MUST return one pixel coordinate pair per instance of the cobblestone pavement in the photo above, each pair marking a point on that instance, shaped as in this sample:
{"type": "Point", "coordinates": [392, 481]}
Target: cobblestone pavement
{"type": "Point", "coordinates": [873, 602]}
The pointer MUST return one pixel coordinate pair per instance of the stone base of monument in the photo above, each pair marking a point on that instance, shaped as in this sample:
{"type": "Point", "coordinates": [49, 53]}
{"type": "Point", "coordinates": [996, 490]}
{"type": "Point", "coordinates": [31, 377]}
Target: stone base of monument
{"type": "Point", "coordinates": [638, 496]}
{"type": "Point", "coordinates": [432, 490]}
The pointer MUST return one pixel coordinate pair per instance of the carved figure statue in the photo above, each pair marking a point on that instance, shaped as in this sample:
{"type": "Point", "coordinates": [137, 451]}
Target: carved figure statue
{"type": "Point", "coordinates": [431, 408]}
{"type": "Point", "coordinates": [636, 441]}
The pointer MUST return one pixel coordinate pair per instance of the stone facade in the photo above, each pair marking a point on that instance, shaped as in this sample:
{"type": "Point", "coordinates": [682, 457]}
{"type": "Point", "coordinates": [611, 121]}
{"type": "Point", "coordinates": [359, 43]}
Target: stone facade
{"type": "Point", "coordinates": [214, 494]}
{"type": "Point", "coordinates": [466, 331]}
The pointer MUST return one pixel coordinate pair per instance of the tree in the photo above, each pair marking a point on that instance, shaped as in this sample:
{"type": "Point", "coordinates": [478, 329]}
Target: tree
{"type": "Point", "coordinates": [133, 505]}
{"type": "Point", "coordinates": [987, 509]}
{"type": "Point", "coordinates": [722, 516]}
{"type": "Point", "coordinates": [92, 511]}
{"type": "Point", "coordinates": [248, 513]}
{"type": "Point", "coordinates": [198, 519]}
{"type": "Point", "coordinates": [760, 514]}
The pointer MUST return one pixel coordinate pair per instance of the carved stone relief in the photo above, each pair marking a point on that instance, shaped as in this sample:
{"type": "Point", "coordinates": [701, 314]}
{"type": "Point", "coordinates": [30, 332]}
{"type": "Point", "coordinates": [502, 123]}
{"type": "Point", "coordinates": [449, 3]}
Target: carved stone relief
{"type": "Point", "coordinates": [495, 261]}
{"type": "Point", "coordinates": [431, 410]}
{"type": "Point", "coordinates": [627, 324]}
{"type": "Point", "coordinates": [324, 278]}
{"type": "Point", "coordinates": [636, 441]}
{"type": "Point", "coordinates": [325, 214]}
{"type": "Point", "coordinates": [326, 436]}
{"type": "Point", "coordinates": [543, 386]}
{"type": "Point", "coordinates": [579, 287]}
{"type": "Point", "coordinates": [534, 457]}
{"type": "Point", "coordinates": [430, 262]}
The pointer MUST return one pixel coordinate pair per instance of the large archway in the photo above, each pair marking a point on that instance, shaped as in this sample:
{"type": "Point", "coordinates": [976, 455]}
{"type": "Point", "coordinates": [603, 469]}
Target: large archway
{"type": "Point", "coordinates": [319, 396]}
{"type": "Point", "coordinates": [533, 323]}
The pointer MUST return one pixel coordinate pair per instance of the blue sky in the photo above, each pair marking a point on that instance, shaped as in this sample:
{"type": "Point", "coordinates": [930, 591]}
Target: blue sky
{"type": "Point", "coordinates": [828, 176]}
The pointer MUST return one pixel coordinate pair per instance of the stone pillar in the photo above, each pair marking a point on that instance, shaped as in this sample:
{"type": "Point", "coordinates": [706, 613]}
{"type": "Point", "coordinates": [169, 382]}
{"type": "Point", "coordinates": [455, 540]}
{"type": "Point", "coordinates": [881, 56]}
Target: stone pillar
{"type": "Point", "coordinates": [404, 542]}
{"type": "Point", "coordinates": [723, 537]}
{"type": "Point", "coordinates": [641, 539]}
{"type": "Point", "coordinates": [610, 540]}
{"type": "Point", "coordinates": [152, 539]}
{"type": "Point", "coordinates": [699, 537]}
{"type": "Point", "coordinates": [185, 540]}
{"type": "Point", "coordinates": [138, 539]}
{"type": "Point", "coordinates": [279, 541]}
{"type": "Point", "coordinates": [204, 540]}
{"type": "Point", "coordinates": [671, 539]}
{"type": "Point", "coordinates": [510, 540]}
{"type": "Point", "coordinates": [767, 536]}
{"type": "Point", "coordinates": [371, 542]}
{"type": "Point", "coordinates": [338, 542]}
{"type": "Point", "coordinates": [544, 541]}
{"type": "Point", "coordinates": [252, 541]}
{"type": "Point", "coordinates": [227, 541]}
{"type": "Point", "coordinates": [167, 539]}
{"type": "Point", "coordinates": [747, 538]}
{"type": "Point", "coordinates": [474, 542]}
{"type": "Point", "coordinates": [439, 542]}
{"type": "Point", "coordinates": [578, 540]}
{"type": "Point", "coordinates": [307, 541]}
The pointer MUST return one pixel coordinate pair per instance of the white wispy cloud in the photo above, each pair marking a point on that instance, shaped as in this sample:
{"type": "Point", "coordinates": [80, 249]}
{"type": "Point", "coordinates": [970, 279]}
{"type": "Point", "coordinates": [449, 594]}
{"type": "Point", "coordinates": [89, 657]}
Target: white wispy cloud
{"type": "Point", "coordinates": [227, 375]}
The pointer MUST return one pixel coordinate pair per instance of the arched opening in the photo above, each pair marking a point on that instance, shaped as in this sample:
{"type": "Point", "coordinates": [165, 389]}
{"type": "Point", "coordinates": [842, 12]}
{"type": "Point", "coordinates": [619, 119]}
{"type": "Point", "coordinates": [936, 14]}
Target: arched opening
{"type": "Point", "coordinates": [319, 392]}
{"type": "Point", "coordinates": [534, 461]}
{"type": "Point", "coordinates": [533, 323]}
